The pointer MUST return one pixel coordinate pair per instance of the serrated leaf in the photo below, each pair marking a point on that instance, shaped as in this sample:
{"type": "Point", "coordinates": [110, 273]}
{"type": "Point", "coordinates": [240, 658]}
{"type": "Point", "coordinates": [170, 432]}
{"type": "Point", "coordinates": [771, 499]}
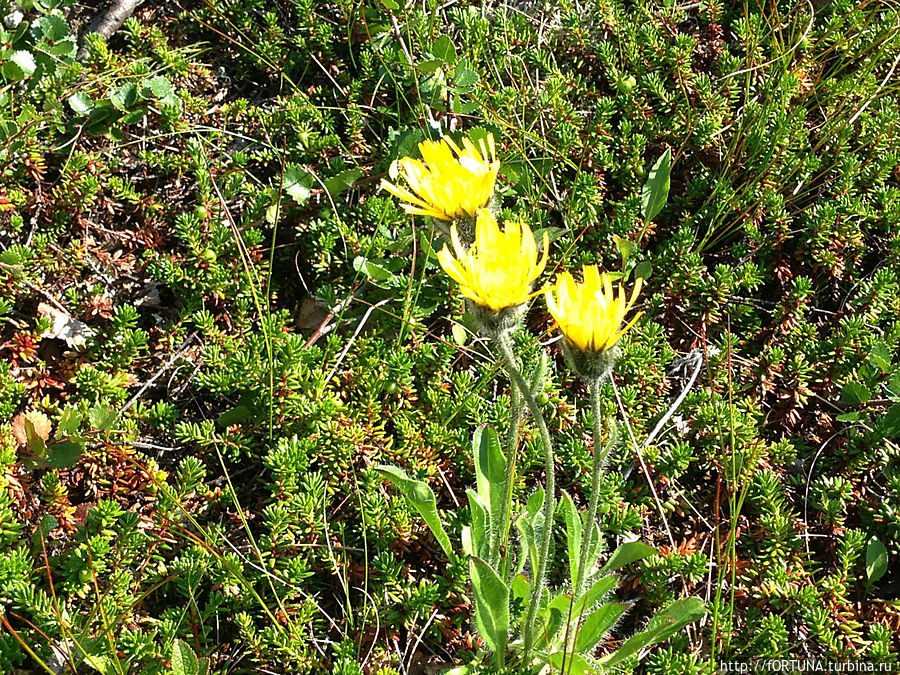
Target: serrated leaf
{"type": "Point", "coordinates": [880, 357]}
{"type": "Point", "coordinates": [491, 605]}
{"type": "Point", "coordinates": [343, 181]}
{"type": "Point", "coordinates": [297, 183]}
{"type": "Point", "coordinates": [430, 65]}
{"type": "Point", "coordinates": [50, 27]}
{"type": "Point", "coordinates": [372, 270]}
{"type": "Point", "coordinates": [159, 87]}
{"type": "Point", "coordinates": [854, 393]}
{"type": "Point", "coordinates": [81, 103]}
{"type": "Point", "coordinates": [25, 62]}
{"type": "Point", "coordinates": [184, 661]}
{"type": "Point", "coordinates": [656, 189]}
{"type": "Point", "coordinates": [101, 417]}
{"type": "Point", "coordinates": [443, 49]}
{"type": "Point", "coordinates": [124, 96]}
{"type": "Point", "coordinates": [421, 497]}
{"type": "Point", "coordinates": [464, 78]}
{"type": "Point", "coordinates": [889, 425]}
{"type": "Point", "coordinates": [64, 455]}
{"type": "Point", "coordinates": [876, 560]}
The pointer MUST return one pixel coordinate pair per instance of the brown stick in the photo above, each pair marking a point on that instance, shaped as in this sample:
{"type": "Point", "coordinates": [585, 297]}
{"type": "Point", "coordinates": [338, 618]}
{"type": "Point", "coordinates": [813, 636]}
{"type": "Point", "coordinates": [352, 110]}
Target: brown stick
{"type": "Point", "coordinates": [109, 21]}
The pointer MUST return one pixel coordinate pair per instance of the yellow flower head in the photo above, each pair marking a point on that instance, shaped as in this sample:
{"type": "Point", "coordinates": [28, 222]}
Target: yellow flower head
{"type": "Point", "coordinates": [448, 181]}
{"type": "Point", "coordinates": [590, 314]}
{"type": "Point", "coordinates": [496, 272]}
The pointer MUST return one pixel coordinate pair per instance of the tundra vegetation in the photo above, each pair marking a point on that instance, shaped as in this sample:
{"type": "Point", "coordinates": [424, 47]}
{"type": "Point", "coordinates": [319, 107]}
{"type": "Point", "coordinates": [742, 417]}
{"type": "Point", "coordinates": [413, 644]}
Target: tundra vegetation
{"type": "Point", "coordinates": [375, 338]}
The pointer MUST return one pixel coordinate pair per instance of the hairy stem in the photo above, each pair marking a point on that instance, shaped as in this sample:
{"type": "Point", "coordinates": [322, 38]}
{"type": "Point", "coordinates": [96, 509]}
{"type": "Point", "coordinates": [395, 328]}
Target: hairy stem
{"type": "Point", "coordinates": [515, 375]}
{"type": "Point", "coordinates": [500, 534]}
{"type": "Point", "coordinates": [600, 455]}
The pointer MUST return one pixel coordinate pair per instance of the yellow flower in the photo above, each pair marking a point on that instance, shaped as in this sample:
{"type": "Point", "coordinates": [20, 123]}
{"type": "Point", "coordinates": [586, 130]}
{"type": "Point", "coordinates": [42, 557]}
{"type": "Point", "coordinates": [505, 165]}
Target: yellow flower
{"type": "Point", "coordinates": [590, 314]}
{"type": "Point", "coordinates": [496, 272]}
{"type": "Point", "coordinates": [448, 181]}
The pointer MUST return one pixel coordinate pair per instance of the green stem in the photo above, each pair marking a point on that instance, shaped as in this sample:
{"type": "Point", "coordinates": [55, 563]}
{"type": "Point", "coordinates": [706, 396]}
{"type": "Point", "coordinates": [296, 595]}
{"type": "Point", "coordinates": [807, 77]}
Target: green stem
{"type": "Point", "coordinates": [500, 537]}
{"type": "Point", "coordinates": [515, 376]}
{"type": "Point", "coordinates": [600, 455]}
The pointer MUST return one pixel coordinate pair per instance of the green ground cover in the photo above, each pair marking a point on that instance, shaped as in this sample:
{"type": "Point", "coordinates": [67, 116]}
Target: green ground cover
{"type": "Point", "coordinates": [214, 325]}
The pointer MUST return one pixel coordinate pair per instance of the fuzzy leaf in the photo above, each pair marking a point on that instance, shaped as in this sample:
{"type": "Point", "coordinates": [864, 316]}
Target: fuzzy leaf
{"type": "Point", "coordinates": [627, 553]}
{"type": "Point", "coordinates": [421, 497]}
{"type": "Point", "coordinates": [575, 664]}
{"type": "Point", "coordinates": [490, 471]}
{"type": "Point", "coordinates": [573, 534]}
{"type": "Point", "coordinates": [491, 605]}
{"type": "Point", "coordinates": [184, 661]}
{"type": "Point", "coordinates": [662, 626]}
{"type": "Point", "coordinates": [597, 624]}
{"type": "Point", "coordinates": [479, 528]}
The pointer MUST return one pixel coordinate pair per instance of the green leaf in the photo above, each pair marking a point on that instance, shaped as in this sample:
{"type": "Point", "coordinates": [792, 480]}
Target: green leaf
{"type": "Point", "coordinates": [464, 79]}
{"type": "Point", "coordinates": [642, 270]}
{"type": "Point", "coordinates": [854, 393]}
{"type": "Point", "coordinates": [656, 189]}
{"type": "Point", "coordinates": [490, 471]}
{"type": "Point", "coordinates": [597, 624]}
{"type": "Point", "coordinates": [530, 526]}
{"type": "Point", "coordinates": [184, 661]}
{"type": "Point", "coordinates": [235, 415]}
{"type": "Point", "coordinates": [460, 336]}
{"type": "Point", "coordinates": [421, 497]}
{"type": "Point", "coordinates": [876, 560]}
{"type": "Point", "coordinates": [854, 416]}
{"type": "Point", "coordinates": [443, 49]}
{"type": "Point", "coordinates": [662, 626]}
{"type": "Point", "coordinates": [101, 417]}
{"type": "Point", "coordinates": [480, 524]}
{"type": "Point", "coordinates": [123, 96]}
{"type": "Point", "coordinates": [880, 357]}
{"type": "Point", "coordinates": [491, 605]}
{"type": "Point", "coordinates": [573, 534]}
{"type": "Point", "coordinates": [159, 87]}
{"type": "Point", "coordinates": [595, 594]}
{"type": "Point", "coordinates": [894, 383]}
{"type": "Point", "coordinates": [430, 65]}
{"type": "Point", "coordinates": [343, 181]}
{"type": "Point", "coordinates": [100, 663]}
{"type": "Point", "coordinates": [625, 248]}
{"type": "Point", "coordinates": [25, 61]}
{"type": "Point", "coordinates": [889, 425]}
{"type": "Point", "coordinates": [64, 455]}
{"type": "Point", "coordinates": [376, 273]}
{"type": "Point", "coordinates": [575, 664]}
{"type": "Point", "coordinates": [81, 103]}
{"type": "Point", "coordinates": [298, 183]}
{"type": "Point", "coordinates": [69, 422]}
{"type": "Point", "coordinates": [627, 553]}
{"type": "Point", "coordinates": [50, 28]}
{"type": "Point", "coordinates": [521, 590]}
